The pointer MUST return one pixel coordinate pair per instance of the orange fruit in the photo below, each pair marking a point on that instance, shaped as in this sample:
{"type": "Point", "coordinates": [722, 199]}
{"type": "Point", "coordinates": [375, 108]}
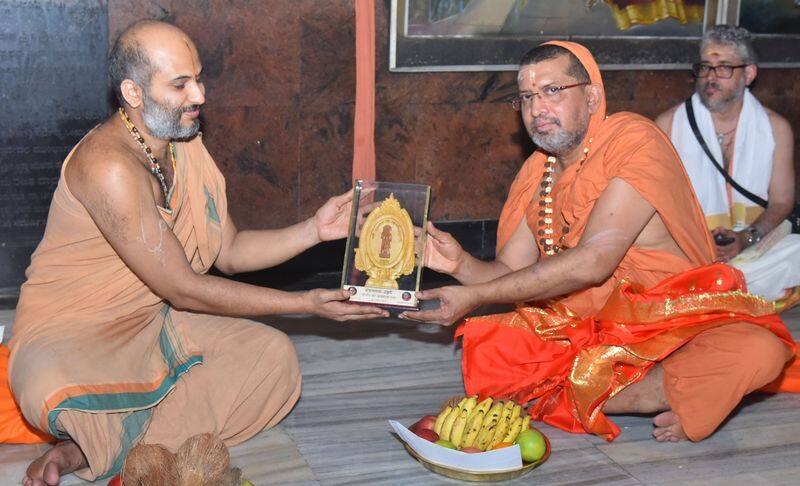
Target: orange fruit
{"type": "Point", "coordinates": [500, 445]}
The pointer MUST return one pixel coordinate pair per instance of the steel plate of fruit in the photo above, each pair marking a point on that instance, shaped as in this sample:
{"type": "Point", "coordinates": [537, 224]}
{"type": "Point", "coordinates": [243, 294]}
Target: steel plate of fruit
{"type": "Point", "coordinates": [473, 427]}
{"type": "Point", "coordinates": [488, 477]}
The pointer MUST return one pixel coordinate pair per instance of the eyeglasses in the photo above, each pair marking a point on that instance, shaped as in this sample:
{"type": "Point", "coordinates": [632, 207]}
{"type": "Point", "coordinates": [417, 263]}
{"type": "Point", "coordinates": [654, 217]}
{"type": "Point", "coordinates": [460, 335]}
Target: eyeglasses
{"type": "Point", "coordinates": [723, 71]}
{"type": "Point", "coordinates": [549, 94]}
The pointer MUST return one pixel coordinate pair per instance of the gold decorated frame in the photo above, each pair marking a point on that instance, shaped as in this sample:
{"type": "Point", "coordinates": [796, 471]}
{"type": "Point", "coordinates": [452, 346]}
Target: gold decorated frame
{"type": "Point", "coordinates": [620, 51]}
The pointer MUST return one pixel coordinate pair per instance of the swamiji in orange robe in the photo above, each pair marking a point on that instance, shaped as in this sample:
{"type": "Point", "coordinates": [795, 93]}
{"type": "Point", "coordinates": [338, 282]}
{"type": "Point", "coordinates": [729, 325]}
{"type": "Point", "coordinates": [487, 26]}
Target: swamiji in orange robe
{"type": "Point", "coordinates": [603, 237]}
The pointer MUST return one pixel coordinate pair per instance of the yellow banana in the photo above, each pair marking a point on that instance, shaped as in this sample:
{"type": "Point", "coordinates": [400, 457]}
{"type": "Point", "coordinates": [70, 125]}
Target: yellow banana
{"type": "Point", "coordinates": [461, 403]}
{"type": "Point", "coordinates": [508, 407]}
{"type": "Point", "coordinates": [499, 432]}
{"type": "Point", "coordinates": [457, 433]}
{"type": "Point", "coordinates": [493, 413]}
{"type": "Point", "coordinates": [485, 435]}
{"type": "Point", "coordinates": [516, 412]}
{"type": "Point", "coordinates": [473, 427]}
{"type": "Point", "coordinates": [447, 425]}
{"type": "Point", "coordinates": [484, 407]}
{"type": "Point", "coordinates": [469, 405]}
{"type": "Point", "coordinates": [437, 426]}
{"type": "Point", "coordinates": [526, 423]}
{"type": "Point", "coordinates": [513, 430]}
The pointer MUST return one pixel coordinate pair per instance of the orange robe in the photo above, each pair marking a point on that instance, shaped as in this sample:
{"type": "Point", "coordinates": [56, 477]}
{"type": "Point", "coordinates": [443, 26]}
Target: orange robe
{"type": "Point", "coordinates": [575, 353]}
{"type": "Point", "coordinates": [13, 427]}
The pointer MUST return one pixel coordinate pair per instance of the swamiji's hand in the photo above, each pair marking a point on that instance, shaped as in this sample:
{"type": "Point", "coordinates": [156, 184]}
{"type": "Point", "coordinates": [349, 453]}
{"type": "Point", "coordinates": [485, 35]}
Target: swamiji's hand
{"type": "Point", "coordinates": [454, 303]}
{"type": "Point", "coordinates": [442, 252]}
{"type": "Point", "coordinates": [331, 304]}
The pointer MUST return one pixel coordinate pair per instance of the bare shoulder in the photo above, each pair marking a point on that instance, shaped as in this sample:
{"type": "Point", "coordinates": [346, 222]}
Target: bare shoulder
{"type": "Point", "coordinates": [102, 163]}
{"type": "Point", "coordinates": [781, 128]}
{"type": "Point", "coordinates": [109, 181]}
{"type": "Point", "coordinates": [664, 120]}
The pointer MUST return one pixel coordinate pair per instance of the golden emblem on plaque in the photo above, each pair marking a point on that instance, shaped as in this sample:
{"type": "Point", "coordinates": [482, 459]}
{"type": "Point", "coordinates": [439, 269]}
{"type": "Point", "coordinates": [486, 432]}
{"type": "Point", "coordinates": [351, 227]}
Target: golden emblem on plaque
{"type": "Point", "coordinates": [386, 246]}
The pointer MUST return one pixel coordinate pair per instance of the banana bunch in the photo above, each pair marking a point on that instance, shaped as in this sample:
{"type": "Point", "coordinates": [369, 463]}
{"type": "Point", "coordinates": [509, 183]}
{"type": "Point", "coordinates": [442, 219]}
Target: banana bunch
{"type": "Point", "coordinates": [481, 425]}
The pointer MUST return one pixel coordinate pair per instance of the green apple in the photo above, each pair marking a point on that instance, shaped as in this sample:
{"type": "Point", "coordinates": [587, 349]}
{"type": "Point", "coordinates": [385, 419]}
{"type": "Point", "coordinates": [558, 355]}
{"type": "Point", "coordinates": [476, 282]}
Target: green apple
{"type": "Point", "coordinates": [531, 445]}
{"type": "Point", "coordinates": [445, 443]}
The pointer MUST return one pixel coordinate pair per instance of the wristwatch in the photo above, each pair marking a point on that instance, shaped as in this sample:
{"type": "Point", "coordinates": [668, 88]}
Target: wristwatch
{"type": "Point", "coordinates": [751, 235]}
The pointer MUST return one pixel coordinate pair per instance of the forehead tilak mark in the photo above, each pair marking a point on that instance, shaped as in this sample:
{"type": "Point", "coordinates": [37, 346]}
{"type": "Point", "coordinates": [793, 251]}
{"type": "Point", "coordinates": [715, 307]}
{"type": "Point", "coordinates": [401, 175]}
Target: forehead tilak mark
{"type": "Point", "coordinates": [526, 71]}
{"type": "Point", "coordinates": [191, 54]}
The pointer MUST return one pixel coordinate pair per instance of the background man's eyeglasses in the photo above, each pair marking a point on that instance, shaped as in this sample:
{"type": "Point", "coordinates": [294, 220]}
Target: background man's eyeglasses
{"type": "Point", "coordinates": [548, 94]}
{"type": "Point", "coordinates": [701, 70]}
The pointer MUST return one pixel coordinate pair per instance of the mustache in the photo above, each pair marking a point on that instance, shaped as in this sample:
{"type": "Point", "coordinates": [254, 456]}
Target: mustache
{"type": "Point", "coordinates": [711, 84]}
{"type": "Point", "coordinates": [549, 119]}
{"type": "Point", "coordinates": [187, 109]}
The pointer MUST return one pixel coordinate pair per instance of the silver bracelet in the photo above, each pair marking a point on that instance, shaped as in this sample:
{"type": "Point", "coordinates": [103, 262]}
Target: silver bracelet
{"type": "Point", "coordinates": [751, 235]}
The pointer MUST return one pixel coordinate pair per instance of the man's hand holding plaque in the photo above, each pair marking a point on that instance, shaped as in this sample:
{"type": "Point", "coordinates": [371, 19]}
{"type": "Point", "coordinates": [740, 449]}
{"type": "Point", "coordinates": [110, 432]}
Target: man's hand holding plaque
{"type": "Point", "coordinates": [332, 219]}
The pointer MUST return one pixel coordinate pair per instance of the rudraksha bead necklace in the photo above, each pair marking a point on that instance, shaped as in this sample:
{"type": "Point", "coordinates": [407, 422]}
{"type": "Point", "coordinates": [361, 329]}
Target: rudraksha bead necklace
{"type": "Point", "coordinates": [546, 233]}
{"type": "Point", "coordinates": [155, 167]}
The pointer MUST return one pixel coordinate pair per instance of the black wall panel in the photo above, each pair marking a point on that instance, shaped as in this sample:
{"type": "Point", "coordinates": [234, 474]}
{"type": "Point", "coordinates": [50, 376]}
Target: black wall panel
{"type": "Point", "coordinates": [52, 91]}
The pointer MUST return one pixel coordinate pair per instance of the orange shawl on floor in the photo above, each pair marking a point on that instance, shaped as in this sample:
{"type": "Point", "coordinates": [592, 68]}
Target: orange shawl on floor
{"type": "Point", "coordinates": [593, 343]}
{"type": "Point", "coordinates": [13, 427]}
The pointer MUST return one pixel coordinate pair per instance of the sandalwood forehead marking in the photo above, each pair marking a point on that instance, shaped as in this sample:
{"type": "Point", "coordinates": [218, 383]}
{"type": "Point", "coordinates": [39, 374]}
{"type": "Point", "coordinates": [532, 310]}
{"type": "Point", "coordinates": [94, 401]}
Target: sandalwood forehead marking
{"type": "Point", "coordinates": [192, 55]}
{"type": "Point", "coordinates": [720, 51]}
{"type": "Point", "coordinates": [525, 72]}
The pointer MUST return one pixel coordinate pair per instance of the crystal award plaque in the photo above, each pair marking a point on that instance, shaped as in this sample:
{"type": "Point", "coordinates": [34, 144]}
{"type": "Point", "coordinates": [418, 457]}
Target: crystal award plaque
{"type": "Point", "coordinates": [383, 258]}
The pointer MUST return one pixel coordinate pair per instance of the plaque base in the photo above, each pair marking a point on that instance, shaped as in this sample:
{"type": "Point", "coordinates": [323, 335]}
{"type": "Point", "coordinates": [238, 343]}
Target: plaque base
{"type": "Point", "coordinates": [404, 299]}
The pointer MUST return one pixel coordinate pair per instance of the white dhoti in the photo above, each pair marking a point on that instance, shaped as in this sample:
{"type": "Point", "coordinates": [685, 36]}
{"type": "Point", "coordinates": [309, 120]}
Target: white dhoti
{"type": "Point", "coordinates": [772, 266]}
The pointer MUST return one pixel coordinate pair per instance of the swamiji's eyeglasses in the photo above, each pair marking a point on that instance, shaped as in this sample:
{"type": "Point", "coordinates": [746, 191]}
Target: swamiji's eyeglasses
{"type": "Point", "coordinates": [549, 94]}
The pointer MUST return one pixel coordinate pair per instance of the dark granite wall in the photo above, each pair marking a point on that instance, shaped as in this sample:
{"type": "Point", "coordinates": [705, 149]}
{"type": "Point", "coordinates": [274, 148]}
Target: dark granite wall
{"type": "Point", "coordinates": [280, 76]}
{"type": "Point", "coordinates": [52, 68]}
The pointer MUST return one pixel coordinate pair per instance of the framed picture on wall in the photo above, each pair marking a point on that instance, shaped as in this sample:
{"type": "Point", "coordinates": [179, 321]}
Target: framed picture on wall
{"type": "Point", "coordinates": [491, 35]}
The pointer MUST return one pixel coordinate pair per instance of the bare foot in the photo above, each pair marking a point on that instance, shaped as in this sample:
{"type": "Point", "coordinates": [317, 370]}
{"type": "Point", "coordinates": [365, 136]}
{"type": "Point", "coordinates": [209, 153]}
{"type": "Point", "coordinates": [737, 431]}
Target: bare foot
{"type": "Point", "coordinates": [668, 427]}
{"type": "Point", "coordinates": [64, 458]}
{"type": "Point", "coordinates": [644, 396]}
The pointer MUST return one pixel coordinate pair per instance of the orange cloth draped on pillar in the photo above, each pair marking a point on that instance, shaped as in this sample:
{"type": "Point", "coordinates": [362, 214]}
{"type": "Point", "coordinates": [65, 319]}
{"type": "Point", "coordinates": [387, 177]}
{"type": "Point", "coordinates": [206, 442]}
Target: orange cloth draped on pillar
{"type": "Point", "coordinates": [364, 120]}
{"type": "Point", "coordinates": [574, 353]}
{"type": "Point", "coordinates": [13, 427]}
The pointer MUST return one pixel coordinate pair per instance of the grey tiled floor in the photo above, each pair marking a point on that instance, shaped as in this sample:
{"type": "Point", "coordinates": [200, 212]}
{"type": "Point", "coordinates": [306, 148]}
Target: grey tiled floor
{"type": "Point", "coordinates": [356, 376]}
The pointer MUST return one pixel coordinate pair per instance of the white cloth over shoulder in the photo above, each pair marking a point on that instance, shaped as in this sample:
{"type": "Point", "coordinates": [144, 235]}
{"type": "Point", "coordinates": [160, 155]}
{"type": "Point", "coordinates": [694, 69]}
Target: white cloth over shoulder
{"type": "Point", "coordinates": [751, 167]}
{"type": "Point", "coordinates": [773, 265]}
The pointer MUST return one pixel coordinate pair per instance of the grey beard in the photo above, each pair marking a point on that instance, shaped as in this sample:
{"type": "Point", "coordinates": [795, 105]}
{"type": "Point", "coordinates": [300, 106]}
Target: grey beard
{"type": "Point", "coordinates": [562, 142]}
{"type": "Point", "coordinates": [165, 123]}
{"type": "Point", "coordinates": [724, 102]}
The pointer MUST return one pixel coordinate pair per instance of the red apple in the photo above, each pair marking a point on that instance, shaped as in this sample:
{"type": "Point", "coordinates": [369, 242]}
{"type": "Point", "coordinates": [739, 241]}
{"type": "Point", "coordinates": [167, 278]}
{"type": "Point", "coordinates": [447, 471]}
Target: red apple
{"type": "Point", "coordinates": [425, 423]}
{"type": "Point", "coordinates": [427, 434]}
{"type": "Point", "coordinates": [471, 450]}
